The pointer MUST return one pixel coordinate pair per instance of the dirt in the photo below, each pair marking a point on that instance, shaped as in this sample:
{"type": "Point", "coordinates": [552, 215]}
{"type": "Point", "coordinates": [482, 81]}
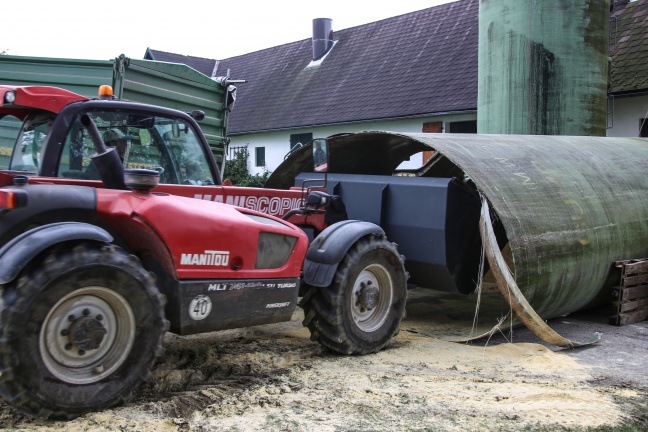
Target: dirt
{"type": "Point", "coordinates": [273, 378]}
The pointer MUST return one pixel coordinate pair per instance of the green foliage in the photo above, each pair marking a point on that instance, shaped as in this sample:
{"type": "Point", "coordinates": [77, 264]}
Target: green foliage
{"type": "Point", "coordinates": [236, 170]}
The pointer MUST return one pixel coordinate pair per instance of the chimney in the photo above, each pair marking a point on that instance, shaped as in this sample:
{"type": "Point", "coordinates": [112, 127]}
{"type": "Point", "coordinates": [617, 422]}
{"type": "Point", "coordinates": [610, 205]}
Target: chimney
{"type": "Point", "coordinates": [322, 37]}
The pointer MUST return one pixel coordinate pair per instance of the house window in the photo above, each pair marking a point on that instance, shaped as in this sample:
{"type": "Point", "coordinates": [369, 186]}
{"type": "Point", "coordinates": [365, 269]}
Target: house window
{"type": "Point", "coordinates": [469, 126]}
{"type": "Point", "coordinates": [300, 139]}
{"type": "Point", "coordinates": [643, 128]}
{"type": "Point", "coordinates": [259, 156]}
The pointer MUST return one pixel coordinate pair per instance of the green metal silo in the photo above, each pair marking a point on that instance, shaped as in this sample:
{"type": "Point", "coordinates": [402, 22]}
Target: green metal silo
{"type": "Point", "coordinates": [543, 67]}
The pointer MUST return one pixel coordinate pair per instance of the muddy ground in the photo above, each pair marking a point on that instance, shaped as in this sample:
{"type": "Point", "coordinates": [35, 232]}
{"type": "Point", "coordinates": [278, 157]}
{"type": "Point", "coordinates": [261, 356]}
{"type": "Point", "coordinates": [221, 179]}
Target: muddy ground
{"type": "Point", "coordinates": [273, 378]}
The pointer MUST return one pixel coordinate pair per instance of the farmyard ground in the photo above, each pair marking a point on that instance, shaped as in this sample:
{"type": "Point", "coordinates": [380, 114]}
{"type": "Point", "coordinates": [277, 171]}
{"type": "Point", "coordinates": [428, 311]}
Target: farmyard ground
{"type": "Point", "coordinates": [273, 378]}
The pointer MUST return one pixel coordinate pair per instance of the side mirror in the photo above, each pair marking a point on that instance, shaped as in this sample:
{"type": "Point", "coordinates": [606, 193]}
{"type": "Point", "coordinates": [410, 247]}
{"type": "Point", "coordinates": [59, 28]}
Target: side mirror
{"type": "Point", "coordinates": [320, 155]}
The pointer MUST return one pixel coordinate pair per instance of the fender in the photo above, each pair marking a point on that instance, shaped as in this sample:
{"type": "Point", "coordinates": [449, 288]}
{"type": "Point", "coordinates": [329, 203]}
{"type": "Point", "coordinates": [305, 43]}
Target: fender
{"type": "Point", "coordinates": [15, 255]}
{"type": "Point", "coordinates": [327, 250]}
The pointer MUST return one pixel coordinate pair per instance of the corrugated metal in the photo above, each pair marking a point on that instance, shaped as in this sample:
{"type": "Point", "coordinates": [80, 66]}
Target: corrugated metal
{"type": "Point", "coordinates": [570, 206]}
{"type": "Point", "coordinates": [179, 87]}
{"type": "Point", "coordinates": [166, 84]}
{"type": "Point", "coordinates": [543, 67]}
{"type": "Point", "coordinates": [79, 76]}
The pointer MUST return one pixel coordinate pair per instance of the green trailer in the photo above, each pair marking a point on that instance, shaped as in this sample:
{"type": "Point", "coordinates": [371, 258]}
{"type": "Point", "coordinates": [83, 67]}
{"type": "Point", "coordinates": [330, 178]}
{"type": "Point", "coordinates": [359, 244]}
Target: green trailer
{"type": "Point", "coordinates": [165, 84]}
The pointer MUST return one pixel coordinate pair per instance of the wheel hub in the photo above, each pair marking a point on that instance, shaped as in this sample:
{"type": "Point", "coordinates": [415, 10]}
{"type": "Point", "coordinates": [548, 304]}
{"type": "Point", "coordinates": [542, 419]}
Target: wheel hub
{"type": "Point", "coordinates": [372, 297]}
{"type": "Point", "coordinates": [87, 333]}
{"type": "Point", "coordinates": [368, 296]}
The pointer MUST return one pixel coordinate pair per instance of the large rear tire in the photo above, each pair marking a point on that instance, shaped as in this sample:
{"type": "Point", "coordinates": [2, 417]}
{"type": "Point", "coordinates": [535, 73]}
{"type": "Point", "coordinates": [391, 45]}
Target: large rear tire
{"type": "Point", "coordinates": [79, 331]}
{"type": "Point", "coordinates": [360, 312]}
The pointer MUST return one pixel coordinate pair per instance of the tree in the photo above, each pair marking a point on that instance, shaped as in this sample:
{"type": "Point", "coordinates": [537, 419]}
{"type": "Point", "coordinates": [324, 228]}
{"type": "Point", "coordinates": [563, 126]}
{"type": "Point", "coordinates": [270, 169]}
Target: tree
{"type": "Point", "coordinates": [236, 170]}
{"type": "Point", "coordinates": [4, 52]}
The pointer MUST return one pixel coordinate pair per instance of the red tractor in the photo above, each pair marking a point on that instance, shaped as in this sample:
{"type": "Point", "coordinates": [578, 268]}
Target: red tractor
{"type": "Point", "coordinates": [104, 247]}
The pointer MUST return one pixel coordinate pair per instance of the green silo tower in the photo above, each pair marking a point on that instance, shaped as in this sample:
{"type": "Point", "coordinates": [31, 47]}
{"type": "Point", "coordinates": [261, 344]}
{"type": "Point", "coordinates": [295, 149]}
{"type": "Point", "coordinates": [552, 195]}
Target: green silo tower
{"type": "Point", "coordinates": [543, 67]}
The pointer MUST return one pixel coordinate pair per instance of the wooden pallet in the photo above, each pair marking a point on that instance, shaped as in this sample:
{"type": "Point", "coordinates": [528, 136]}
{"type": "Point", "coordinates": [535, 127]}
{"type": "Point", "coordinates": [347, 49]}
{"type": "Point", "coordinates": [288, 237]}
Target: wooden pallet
{"type": "Point", "coordinates": [631, 297]}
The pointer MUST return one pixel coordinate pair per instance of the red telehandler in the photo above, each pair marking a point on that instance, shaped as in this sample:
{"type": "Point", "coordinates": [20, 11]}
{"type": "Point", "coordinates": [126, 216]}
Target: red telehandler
{"type": "Point", "coordinates": [104, 247]}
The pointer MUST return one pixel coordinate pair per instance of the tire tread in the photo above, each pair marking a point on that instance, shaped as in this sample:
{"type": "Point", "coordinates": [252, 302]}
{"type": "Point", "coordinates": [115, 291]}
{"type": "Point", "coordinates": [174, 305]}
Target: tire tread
{"type": "Point", "coordinates": [323, 307]}
{"type": "Point", "coordinates": [17, 294]}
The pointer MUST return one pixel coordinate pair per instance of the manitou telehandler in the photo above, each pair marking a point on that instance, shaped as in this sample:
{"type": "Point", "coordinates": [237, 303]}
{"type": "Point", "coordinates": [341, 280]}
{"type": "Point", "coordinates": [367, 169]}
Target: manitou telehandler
{"type": "Point", "coordinates": [104, 247]}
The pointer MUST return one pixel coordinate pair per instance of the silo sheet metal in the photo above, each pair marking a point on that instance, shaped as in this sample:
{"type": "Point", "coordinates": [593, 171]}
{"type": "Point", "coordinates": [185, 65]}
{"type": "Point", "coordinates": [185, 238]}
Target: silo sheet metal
{"type": "Point", "coordinates": [570, 206]}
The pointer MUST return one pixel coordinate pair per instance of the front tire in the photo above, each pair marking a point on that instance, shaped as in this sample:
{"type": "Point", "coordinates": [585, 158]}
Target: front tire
{"type": "Point", "coordinates": [360, 312]}
{"type": "Point", "coordinates": [79, 331]}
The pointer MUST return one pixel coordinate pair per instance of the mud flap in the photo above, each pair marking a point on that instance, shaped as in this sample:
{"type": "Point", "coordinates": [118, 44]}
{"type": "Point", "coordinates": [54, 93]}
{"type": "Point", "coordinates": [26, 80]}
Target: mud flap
{"type": "Point", "coordinates": [329, 248]}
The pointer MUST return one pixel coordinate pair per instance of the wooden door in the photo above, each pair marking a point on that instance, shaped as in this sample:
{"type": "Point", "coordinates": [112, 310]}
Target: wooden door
{"type": "Point", "coordinates": [431, 127]}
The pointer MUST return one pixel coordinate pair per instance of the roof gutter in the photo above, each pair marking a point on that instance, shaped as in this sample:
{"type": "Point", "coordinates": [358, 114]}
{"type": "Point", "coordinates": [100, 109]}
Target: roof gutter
{"type": "Point", "coordinates": [629, 93]}
{"type": "Point", "coordinates": [408, 117]}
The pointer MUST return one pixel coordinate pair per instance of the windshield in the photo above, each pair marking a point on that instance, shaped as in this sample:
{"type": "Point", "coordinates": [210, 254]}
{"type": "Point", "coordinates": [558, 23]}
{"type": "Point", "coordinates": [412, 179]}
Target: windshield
{"type": "Point", "coordinates": [167, 145]}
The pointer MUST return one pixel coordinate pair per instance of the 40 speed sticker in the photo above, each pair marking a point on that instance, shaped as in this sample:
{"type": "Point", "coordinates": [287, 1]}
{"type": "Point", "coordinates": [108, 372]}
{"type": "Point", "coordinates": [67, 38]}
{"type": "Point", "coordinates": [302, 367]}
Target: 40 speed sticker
{"type": "Point", "coordinates": [200, 307]}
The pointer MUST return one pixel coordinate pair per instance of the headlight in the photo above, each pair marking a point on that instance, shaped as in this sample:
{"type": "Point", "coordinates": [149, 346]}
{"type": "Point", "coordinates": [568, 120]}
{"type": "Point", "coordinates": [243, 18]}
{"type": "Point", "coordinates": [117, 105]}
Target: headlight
{"type": "Point", "coordinates": [274, 250]}
{"type": "Point", "coordinates": [10, 97]}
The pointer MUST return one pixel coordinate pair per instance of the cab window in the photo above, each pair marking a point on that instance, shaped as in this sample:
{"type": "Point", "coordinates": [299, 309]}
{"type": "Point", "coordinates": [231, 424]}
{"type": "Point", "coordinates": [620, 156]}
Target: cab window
{"type": "Point", "coordinates": [167, 145]}
{"type": "Point", "coordinates": [26, 154]}
{"type": "Point", "coordinates": [9, 130]}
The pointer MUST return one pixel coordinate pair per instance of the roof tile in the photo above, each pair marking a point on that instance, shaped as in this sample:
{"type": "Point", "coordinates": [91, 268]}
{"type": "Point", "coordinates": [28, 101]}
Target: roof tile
{"type": "Point", "coordinates": [415, 64]}
{"type": "Point", "coordinates": [629, 53]}
{"type": "Point", "coordinates": [202, 65]}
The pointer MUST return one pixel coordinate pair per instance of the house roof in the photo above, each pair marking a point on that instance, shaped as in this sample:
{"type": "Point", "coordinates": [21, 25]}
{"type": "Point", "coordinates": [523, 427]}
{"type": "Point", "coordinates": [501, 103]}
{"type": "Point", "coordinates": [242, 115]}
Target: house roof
{"type": "Point", "coordinates": [203, 65]}
{"type": "Point", "coordinates": [629, 47]}
{"type": "Point", "coordinates": [411, 65]}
